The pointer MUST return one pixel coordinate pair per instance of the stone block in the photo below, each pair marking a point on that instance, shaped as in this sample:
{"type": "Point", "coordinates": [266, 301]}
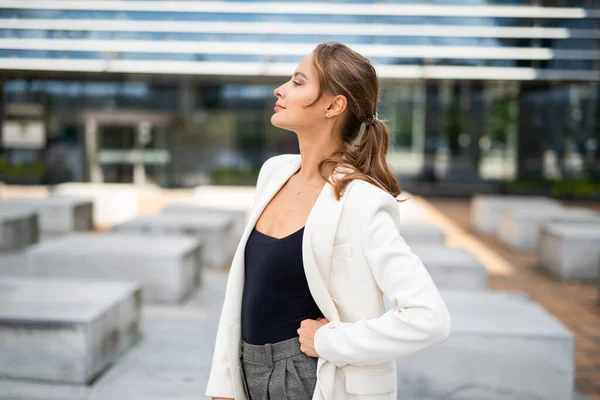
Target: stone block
{"type": "Point", "coordinates": [19, 226]}
{"type": "Point", "coordinates": [426, 234]}
{"type": "Point", "coordinates": [212, 229]}
{"type": "Point", "coordinates": [173, 361]}
{"type": "Point", "coordinates": [190, 209]}
{"type": "Point", "coordinates": [60, 214]}
{"type": "Point", "coordinates": [503, 346]}
{"type": "Point", "coordinates": [114, 203]}
{"type": "Point", "coordinates": [519, 228]}
{"type": "Point", "coordinates": [65, 330]}
{"type": "Point", "coordinates": [487, 209]}
{"type": "Point", "coordinates": [167, 267]}
{"type": "Point", "coordinates": [570, 250]}
{"type": "Point", "coordinates": [13, 263]}
{"type": "Point", "coordinates": [452, 268]}
{"type": "Point", "coordinates": [231, 197]}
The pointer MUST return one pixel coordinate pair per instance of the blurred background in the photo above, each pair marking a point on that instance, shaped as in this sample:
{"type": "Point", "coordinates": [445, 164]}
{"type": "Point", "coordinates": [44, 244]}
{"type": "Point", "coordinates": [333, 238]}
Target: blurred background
{"type": "Point", "coordinates": [180, 93]}
{"type": "Point", "coordinates": [132, 133]}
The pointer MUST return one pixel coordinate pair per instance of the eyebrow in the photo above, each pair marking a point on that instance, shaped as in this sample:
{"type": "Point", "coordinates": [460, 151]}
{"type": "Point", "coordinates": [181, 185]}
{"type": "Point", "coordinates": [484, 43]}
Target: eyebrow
{"type": "Point", "coordinates": [300, 73]}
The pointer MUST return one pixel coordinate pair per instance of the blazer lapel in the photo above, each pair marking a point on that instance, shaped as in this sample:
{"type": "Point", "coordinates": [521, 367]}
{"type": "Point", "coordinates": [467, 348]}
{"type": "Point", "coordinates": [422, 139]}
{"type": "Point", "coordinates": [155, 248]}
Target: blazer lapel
{"type": "Point", "coordinates": [317, 248]}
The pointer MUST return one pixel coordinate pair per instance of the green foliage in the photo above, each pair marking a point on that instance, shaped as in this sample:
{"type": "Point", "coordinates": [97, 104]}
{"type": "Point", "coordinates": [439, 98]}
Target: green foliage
{"type": "Point", "coordinates": [34, 170]}
{"type": "Point", "coordinates": [404, 128]}
{"type": "Point", "coordinates": [575, 189]}
{"type": "Point", "coordinates": [502, 116]}
{"type": "Point", "coordinates": [455, 123]}
{"type": "Point", "coordinates": [232, 176]}
{"type": "Point", "coordinates": [580, 189]}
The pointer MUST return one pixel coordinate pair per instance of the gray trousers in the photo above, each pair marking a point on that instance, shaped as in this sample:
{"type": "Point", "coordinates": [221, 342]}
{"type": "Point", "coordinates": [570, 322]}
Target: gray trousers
{"type": "Point", "coordinates": [277, 371]}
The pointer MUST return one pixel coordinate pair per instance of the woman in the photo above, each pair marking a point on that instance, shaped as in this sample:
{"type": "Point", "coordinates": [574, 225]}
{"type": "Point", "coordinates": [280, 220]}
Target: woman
{"type": "Point", "coordinates": [303, 316]}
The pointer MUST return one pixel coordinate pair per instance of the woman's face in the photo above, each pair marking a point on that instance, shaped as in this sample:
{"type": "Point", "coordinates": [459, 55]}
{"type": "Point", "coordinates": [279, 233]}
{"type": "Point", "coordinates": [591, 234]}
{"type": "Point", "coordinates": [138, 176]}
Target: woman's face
{"type": "Point", "coordinates": [300, 90]}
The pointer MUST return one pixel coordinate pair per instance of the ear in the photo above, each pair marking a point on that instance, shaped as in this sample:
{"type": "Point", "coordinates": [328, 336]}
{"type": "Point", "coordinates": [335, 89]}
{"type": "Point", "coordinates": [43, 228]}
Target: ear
{"type": "Point", "coordinates": [338, 105]}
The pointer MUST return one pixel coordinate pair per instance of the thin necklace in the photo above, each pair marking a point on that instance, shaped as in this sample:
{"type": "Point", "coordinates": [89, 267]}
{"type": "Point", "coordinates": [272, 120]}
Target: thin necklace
{"type": "Point", "coordinates": [304, 191]}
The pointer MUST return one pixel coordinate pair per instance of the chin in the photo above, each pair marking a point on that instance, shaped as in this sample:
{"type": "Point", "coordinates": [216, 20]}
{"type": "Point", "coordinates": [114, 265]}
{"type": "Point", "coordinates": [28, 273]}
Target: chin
{"type": "Point", "coordinates": [275, 122]}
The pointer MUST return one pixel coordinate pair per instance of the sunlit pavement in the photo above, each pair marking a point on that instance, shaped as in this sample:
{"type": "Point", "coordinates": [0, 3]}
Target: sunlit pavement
{"type": "Point", "coordinates": [573, 304]}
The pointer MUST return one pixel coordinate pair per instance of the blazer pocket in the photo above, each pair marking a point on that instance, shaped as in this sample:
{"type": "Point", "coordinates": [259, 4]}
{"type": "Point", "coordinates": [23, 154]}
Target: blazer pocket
{"type": "Point", "coordinates": [342, 250]}
{"type": "Point", "coordinates": [370, 384]}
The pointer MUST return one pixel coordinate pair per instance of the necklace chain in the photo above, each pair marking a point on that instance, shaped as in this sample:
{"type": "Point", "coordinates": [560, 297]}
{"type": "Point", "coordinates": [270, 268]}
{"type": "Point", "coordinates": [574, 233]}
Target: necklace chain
{"type": "Point", "coordinates": [304, 191]}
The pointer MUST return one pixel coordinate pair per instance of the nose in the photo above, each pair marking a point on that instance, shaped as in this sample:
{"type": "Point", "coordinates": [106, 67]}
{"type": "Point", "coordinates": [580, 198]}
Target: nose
{"type": "Point", "coordinates": [277, 92]}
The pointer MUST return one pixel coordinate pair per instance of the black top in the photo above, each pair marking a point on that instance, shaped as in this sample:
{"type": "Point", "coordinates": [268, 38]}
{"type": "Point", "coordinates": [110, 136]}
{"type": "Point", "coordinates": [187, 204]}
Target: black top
{"type": "Point", "coordinates": [276, 296]}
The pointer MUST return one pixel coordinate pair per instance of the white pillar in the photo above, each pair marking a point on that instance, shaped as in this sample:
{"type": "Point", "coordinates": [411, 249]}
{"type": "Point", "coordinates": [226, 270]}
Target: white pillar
{"type": "Point", "coordinates": [144, 129]}
{"type": "Point", "coordinates": [91, 150]}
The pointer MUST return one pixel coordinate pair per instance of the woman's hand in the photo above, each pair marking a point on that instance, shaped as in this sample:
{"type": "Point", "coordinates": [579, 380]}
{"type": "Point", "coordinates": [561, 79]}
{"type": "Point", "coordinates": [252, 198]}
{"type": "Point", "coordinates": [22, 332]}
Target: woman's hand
{"type": "Point", "coordinates": [307, 330]}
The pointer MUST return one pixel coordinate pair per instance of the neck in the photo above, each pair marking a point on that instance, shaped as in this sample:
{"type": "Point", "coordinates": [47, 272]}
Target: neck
{"type": "Point", "coordinates": [312, 153]}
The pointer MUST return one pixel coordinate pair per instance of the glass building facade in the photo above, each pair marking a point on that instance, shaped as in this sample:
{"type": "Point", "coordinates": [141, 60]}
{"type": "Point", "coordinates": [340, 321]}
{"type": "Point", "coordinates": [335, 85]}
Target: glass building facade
{"type": "Point", "coordinates": [180, 93]}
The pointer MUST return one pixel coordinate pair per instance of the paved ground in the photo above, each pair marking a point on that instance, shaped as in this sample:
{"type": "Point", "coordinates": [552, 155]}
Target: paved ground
{"type": "Point", "coordinates": [571, 303]}
{"type": "Point", "coordinates": [574, 304]}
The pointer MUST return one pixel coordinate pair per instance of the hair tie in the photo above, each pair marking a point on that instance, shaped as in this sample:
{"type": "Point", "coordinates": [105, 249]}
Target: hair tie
{"type": "Point", "coordinates": [372, 119]}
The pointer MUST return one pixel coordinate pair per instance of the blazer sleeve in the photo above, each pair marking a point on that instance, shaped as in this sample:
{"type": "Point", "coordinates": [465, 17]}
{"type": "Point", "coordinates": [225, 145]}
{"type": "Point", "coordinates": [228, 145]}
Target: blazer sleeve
{"type": "Point", "coordinates": [220, 383]}
{"type": "Point", "coordinates": [419, 318]}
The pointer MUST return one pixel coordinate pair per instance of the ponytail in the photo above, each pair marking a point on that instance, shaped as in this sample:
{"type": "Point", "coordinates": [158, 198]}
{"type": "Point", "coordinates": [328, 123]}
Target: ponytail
{"type": "Point", "coordinates": [367, 161]}
{"type": "Point", "coordinates": [343, 71]}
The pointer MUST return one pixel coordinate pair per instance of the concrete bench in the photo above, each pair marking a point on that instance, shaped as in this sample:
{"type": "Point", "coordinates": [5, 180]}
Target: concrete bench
{"type": "Point", "coordinates": [426, 234]}
{"type": "Point", "coordinates": [519, 228]}
{"type": "Point", "coordinates": [503, 346]}
{"type": "Point", "coordinates": [569, 250]}
{"type": "Point", "coordinates": [65, 330]}
{"type": "Point", "coordinates": [13, 263]}
{"type": "Point", "coordinates": [167, 267]}
{"type": "Point", "coordinates": [19, 226]}
{"type": "Point", "coordinates": [231, 197]}
{"type": "Point", "coordinates": [191, 209]}
{"type": "Point", "coordinates": [173, 356]}
{"type": "Point", "coordinates": [212, 229]}
{"type": "Point", "coordinates": [173, 360]}
{"type": "Point", "coordinates": [452, 268]}
{"type": "Point", "coordinates": [114, 203]}
{"type": "Point", "coordinates": [59, 215]}
{"type": "Point", "coordinates": [487, 209]}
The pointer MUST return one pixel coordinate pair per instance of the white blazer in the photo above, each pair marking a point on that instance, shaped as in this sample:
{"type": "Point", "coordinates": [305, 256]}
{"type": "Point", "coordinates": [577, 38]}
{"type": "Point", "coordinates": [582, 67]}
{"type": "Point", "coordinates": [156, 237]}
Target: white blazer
{"type": "Point", "coordinates": [353, 253]}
